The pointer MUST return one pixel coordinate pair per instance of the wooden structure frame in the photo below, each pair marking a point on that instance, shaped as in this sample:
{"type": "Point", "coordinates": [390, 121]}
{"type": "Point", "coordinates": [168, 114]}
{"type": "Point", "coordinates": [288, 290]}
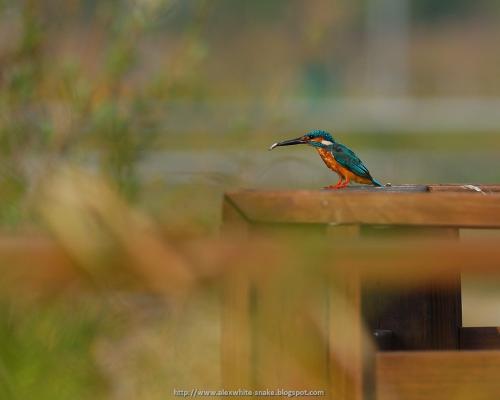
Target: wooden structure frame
{"type": "Point", "coordinates": [343, 361]}
{"type": "Point", "coordinates": [431, 211]}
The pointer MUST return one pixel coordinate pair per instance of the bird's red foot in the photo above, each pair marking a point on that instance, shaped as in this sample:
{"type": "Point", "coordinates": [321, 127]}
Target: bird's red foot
{"type": "Point", "coordinates": [338, 185]}
{"type": "Point", "coordinates": [344, 184]}
{"type": "Point", "coordinates": [331, 187]}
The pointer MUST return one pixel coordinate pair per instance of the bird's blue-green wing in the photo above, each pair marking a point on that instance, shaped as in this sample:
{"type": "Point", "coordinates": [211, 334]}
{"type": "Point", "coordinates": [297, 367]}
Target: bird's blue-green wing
{"type": "Point", "coordinates": [348, 159]}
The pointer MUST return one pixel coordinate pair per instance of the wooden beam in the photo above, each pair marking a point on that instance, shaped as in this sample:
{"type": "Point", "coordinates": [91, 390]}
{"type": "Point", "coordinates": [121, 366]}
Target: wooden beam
{"type": "Point", "coordinates": [446, 375]}
{"type": "Point", "coordinates": [393, 263]}
{"type": "Point", "coordinates": [369, 208]}
{"type": "Point", "coordinates": [36, 263]}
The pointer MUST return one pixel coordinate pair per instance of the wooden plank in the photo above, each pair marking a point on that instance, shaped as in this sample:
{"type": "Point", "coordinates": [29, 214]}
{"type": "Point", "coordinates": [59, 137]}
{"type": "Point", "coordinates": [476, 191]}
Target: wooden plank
{"type": "Point", "coordinates": [372, 208]}
{"type": "Point", "coordinates": [399, 262]}
{"type": "Point", "coordinates": [448, 375]}
{"type": "Point", "coordinates": [387, 188]}
{"type": "Point", "coordinates": [36, 263]}
{"type": "Point", "coordinates": [472, 338]}
{"type": "Point", "coordinates": [466, 188]}
{"type": "Point", "coordinates": [394, 262]}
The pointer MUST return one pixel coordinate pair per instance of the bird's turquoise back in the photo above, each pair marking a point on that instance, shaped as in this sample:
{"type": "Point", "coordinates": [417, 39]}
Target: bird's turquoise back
{"type": "Point", "coordinates": [348, 159]}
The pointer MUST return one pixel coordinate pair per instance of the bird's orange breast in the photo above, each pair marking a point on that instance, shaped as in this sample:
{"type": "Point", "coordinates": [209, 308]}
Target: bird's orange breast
{"type": "Point", "coordinates": [329, 160]}
{"type": "Point", "coordinates": [331, 163]}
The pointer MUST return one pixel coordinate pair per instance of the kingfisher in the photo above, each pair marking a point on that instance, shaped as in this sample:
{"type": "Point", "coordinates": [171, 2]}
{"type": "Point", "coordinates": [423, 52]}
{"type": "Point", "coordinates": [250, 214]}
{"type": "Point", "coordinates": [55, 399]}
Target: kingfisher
{"type": "Point", "coordinates": [339, 158]}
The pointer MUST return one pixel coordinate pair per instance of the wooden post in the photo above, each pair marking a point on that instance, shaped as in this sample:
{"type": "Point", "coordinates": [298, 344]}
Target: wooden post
{"type": "Point", "coordinates": [427, 318]}
{"type": "Point", "coordinates": [236, 332]}
{"type": "Point", "coordinates": [347, 337]}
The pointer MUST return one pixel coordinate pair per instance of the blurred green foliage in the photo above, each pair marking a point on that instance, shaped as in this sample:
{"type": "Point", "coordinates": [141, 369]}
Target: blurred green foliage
{"type": "Point", "coordinates": [54, 110]}
{"type": "Point", "coordinates": [47, 353]}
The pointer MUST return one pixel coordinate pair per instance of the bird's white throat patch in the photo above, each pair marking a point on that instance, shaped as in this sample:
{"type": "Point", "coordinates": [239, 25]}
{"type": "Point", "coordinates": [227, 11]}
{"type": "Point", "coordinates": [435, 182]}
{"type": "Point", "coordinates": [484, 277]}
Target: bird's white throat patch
{"type": "Point", "coordinates": [326, 142]}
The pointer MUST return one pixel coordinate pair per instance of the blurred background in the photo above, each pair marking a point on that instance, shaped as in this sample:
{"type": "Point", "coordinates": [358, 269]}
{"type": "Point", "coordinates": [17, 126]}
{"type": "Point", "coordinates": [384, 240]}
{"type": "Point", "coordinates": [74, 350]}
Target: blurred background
{"type": "Point", "coordinates": [174, 98]}
{"type": "Point", "coordinates": [168, 103]}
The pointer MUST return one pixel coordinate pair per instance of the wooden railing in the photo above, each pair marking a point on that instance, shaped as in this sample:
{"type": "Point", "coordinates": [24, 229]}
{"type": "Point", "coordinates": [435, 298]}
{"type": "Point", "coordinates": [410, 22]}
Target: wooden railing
{"type": "Point", "coordinates": [307, 304]}
{"type": "Point", "coordinates": [399, 292]}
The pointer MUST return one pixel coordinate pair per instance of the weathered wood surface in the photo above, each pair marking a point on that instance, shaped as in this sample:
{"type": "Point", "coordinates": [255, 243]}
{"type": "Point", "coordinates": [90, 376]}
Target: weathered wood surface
{"type": "Point", "coordinates": [466, 188]}
{"type": "Point", "coordinates": [448, 375]}
{"type": "Point", "coordinates": [374, 207]}
{"type": "Point", "coordinates": [387, 188]}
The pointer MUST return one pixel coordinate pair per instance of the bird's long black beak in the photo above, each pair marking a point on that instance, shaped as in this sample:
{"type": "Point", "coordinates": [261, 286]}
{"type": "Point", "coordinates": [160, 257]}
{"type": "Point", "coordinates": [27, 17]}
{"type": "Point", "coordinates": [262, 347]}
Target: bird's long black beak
{"type": "Point", "coordinates": [290, 142]}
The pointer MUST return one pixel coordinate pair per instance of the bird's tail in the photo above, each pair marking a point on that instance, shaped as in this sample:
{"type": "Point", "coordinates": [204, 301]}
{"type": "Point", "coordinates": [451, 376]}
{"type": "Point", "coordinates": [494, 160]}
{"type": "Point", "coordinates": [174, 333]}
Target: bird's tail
{"type": "Point", "coordinates": [376, 183]}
